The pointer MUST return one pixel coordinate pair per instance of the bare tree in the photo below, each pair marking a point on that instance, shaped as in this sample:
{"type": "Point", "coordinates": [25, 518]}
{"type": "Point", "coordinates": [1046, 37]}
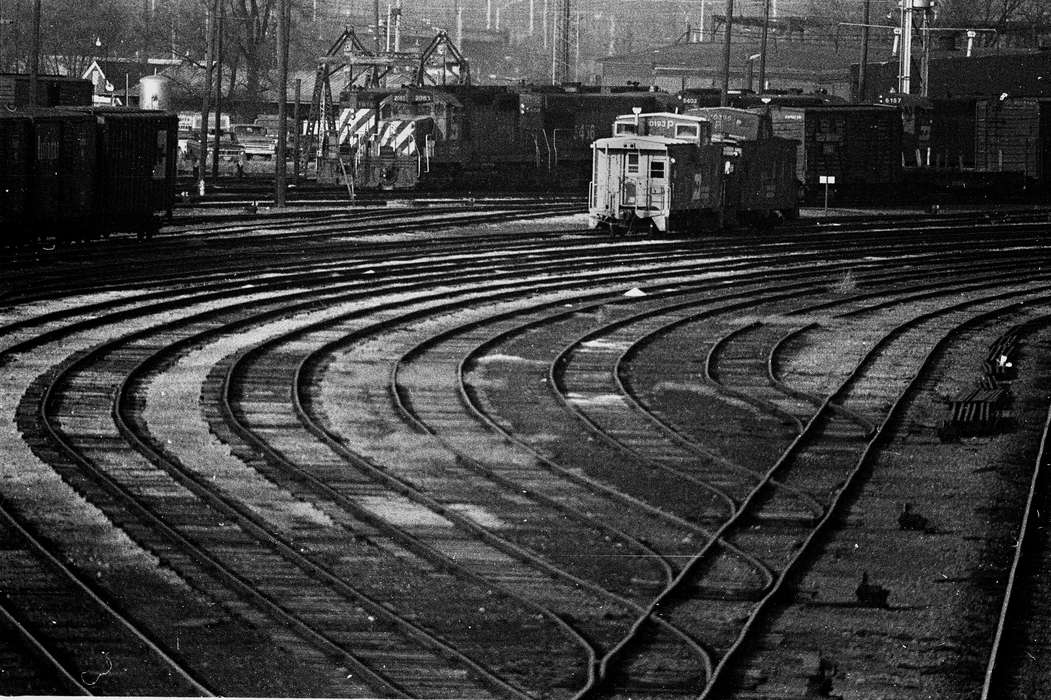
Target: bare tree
{"type": "Point", "coordinates": [250, 28]}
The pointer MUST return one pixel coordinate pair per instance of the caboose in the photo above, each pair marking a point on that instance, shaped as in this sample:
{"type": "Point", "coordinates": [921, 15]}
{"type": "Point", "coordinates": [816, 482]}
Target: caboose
{"type": "Point", "coordinates": [658, 170]}
{"type": "Point", "coordinates": [703, 170]}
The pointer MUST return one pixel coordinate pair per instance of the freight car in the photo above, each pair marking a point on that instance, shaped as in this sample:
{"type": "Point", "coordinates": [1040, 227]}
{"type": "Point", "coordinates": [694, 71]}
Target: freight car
{"type": "Point", "coordinates": [77, 173]}
{"type": "Point", "coordinates": [859, 145]}
{"type": "Point", "coordinates": [695, 98]}
{"type": "Point", "coordinates": [135, 159]}
{"type": "Point", "coordinates": [1013, 134]}
{"type": "Point", "coordinates": [16, 134]}
{"type": "Point", "coordinates": [490, 137]}
{"type": "Point", "coordinates": [61, 153]}
{"type": "Point", "coordinates": [704, 170]}
{"type": "Point", "coordinates": [52, 91]}
{"type": "Point", "coordinates": [974, 146]}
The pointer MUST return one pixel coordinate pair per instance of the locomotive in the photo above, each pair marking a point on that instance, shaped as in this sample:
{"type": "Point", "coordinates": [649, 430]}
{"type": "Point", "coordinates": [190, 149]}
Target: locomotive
{"type": "Point", "coordinates": [490, 137]}
{"type": "Point", "coordinates": [706, 169]}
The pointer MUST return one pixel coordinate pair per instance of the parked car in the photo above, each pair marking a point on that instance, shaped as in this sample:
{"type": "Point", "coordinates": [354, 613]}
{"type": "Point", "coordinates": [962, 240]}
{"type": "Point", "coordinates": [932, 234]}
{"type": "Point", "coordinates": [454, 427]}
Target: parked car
{"type": "Point", "coordinates": [230, 151]}
{"type": "Point", "coordinates": [256, 140]}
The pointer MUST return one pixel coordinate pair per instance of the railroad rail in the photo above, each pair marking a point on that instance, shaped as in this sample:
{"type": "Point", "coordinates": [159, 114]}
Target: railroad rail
{"type": "Point", "coordinates": [497, 434]}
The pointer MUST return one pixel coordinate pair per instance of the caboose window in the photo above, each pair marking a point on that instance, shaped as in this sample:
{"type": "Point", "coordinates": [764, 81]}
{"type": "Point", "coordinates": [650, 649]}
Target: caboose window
{"type": "Point", "coordinates": [622, 128]}
{"type": "Point", "coordinates": [633, 162]}
{"type": "Point", "coordinates": [657, 169]}
{"type": "Point", "coordinates": [685, 130]}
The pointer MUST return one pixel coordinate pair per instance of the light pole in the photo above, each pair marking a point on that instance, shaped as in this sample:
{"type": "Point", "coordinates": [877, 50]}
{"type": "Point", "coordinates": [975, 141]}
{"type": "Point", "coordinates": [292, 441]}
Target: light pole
{"type": "Point", "coordinates": [762, 47]}
{"type": "Point", "coordinates": [282, 99]}
{"type": "Point", "coordinates": [864, 60]}
{"type": "Point", "coordinates": [102, 71]}
{"type": "Point", "coordinates": [202, 160]}
{"type": "Point", "coordinates": [724, 96]}
{"type": "Point", "coordinates": [34, 59]}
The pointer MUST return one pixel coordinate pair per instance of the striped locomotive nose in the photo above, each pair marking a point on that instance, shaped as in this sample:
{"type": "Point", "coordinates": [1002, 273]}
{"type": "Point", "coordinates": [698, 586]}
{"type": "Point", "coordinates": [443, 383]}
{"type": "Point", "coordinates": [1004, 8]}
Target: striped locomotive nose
{"type": "Point", "coordinates": [356, 124]}
{"type": "Point", "coordinates": [398, 134]}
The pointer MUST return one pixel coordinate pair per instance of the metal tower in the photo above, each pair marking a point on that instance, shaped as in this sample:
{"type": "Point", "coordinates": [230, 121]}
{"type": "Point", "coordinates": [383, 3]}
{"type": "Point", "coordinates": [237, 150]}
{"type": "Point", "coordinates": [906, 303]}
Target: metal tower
{"type": "Point", "coordinates": [561, 47]}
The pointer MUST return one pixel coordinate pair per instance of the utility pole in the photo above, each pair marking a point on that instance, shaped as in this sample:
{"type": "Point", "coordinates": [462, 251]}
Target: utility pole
{"type": "Point", "coordinates": [863, 63]}
{"type": "Point", "coordinates": [925, 60]}
{"type": "Point", "coordinates": [34, 58]}
{"type": "Point", "coordinates": [724, 96]}
{"type": "Point", "coordinates": [218, 85]}
{"type": "Point", "coordinates": [545, 14]}
{"type": "Point", "coordinates": [3, 21]}
{"type": "Point", "coordinates": [209, 22]}
{"type": "Point", "coordinates": [762, 47]}
{"type": "Point", "coordinates": [459, 25]}
{"type": "Point", "coordinates": [376, 47]}
{"type": "Point", "coordinates": [282, 99]}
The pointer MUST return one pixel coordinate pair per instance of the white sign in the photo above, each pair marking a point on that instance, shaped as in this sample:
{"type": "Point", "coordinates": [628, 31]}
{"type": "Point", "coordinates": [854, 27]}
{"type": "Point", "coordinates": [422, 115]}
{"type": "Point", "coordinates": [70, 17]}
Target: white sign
{"type": "Point", "coordinates": [826, 179]}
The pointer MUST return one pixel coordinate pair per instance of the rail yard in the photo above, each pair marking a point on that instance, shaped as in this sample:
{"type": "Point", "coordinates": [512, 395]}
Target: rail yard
{"type": "Point", "coordinates": [474, 449]}
{"type": "Point", "coordinates": [554, 351]}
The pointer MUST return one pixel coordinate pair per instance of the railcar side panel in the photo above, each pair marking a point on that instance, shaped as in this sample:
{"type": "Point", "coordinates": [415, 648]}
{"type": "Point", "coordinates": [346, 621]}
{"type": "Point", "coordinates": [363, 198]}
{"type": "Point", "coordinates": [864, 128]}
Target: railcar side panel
{"type": "Point", "coordinates": [858, 145]}
{"type": "Point", "coordinates": [765, 175]}
{"type": "Point", "coordinates": [52, 91]}
{"type": "Point", "coordinates": [1008, 136]}
{"type": "Point", "coordinates": [136, 167]}
{"type": "Point", "coordinates": [953, 133]}
{"type": "Point", "coordinates": [64, 174]}
{"type": "Point", "coordinates": [16, 133]}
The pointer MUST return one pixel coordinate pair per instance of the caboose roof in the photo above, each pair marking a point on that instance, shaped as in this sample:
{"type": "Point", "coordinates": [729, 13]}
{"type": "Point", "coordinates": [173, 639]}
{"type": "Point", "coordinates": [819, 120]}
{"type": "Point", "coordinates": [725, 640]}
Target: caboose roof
{"type": "Point", "coordinates": [640, 143]}
{"type": "Point", "coordinates": [677, 116]}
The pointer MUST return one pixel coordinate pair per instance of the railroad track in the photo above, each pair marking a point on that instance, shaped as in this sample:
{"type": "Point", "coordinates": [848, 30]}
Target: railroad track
{"type": "Point", "coordinates": [1014, 669]}
{"type": "Point", "coordinates": [420, 419]}
{"type": "Point", "coordinates": [591, 372]}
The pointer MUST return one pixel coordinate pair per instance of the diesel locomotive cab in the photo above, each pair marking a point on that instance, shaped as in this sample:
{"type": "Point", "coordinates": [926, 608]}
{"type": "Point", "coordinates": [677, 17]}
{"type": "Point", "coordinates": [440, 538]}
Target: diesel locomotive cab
{"type": "Point", "coordinates": [401, 148]}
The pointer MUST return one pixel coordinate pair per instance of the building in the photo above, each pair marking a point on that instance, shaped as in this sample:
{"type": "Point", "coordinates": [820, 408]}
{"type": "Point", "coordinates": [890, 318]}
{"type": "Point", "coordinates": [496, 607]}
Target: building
{"type": "Point", "coordinates": [952, 74]}
{"type": "Point", "coordinates": [791, 64]}
{"type": "Point", "coordinates": [116, 81]}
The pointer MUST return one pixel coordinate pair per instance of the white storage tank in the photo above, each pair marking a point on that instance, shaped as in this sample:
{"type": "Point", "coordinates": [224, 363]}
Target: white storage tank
{"type": "Point", "coordinates": [155, 92]}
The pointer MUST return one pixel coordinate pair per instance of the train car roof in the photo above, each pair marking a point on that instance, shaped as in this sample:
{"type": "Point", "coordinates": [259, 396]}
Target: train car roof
{"type": "Point", "coordinates": [651, 143]}
{"type": "Point", "coordinates": [668, 115]}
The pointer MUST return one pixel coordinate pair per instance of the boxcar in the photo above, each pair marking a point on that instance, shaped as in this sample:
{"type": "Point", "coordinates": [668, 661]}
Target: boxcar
{"type": "Point", "coordinates": [763, 180]}
{"type": "Point", "coordinates": [16, 131]}
{"type": "Point", "coordinates": [1013, 135]}
{"type": "Point", "coordinates": [136, 152]}
{"type": "Point", "coordinates": [52, 91]}
{"type": "Point", "coordinates": [63, 175]}
{"type": "Point", "coordinates": [858, 145]}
